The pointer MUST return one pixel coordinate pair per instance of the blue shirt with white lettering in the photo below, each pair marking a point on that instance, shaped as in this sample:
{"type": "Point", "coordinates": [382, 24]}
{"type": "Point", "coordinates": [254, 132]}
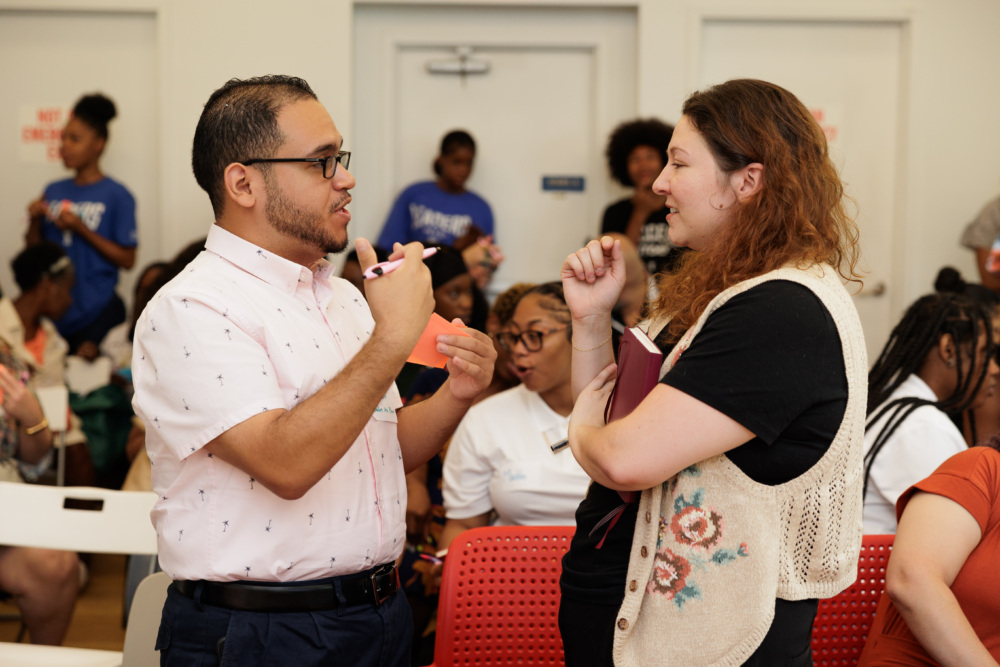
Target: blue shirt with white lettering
{"type": "Point", "coordinates": [107, 208]}
{"type": "Point", "coordinates": [426, 213]}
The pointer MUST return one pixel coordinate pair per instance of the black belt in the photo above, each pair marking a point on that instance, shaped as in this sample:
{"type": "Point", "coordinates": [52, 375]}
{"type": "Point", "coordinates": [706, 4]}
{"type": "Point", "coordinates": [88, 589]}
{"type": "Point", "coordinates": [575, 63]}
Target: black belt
{"type": "Point", "coordinates": [372, 587]}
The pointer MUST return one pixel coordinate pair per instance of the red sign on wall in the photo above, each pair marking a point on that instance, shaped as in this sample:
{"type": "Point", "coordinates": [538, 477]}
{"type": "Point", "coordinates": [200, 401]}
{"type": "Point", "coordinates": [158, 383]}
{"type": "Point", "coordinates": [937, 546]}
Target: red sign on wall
{"type": "Point", "coordinates": [41, 130]}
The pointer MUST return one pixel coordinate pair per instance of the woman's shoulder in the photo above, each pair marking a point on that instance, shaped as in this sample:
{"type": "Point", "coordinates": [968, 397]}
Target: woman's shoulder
{"type": "Point", "coordinates": [117, 187]}
{"type": "Point", "coordinates": [782, 300]}
{"type": "Point", "coordinates": [985, 459]}
{"type": "Point", "coordinates": [419, 188]}
{"type": "Point", "coordinates": [501, 403]}
{"type": "Point", "coordinates": [61, 185]}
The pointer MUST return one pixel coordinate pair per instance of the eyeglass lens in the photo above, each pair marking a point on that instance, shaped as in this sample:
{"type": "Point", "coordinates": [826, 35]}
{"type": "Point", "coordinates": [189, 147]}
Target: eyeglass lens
{"type": "Point", "coordinates": [532, 340]}
{"type": "Point", "coordinates": [343, 158]}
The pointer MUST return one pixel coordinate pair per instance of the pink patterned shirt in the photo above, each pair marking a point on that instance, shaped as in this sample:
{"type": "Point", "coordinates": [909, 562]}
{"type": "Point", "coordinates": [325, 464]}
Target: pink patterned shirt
{"type": "Point", "coordinates": [238, 332]}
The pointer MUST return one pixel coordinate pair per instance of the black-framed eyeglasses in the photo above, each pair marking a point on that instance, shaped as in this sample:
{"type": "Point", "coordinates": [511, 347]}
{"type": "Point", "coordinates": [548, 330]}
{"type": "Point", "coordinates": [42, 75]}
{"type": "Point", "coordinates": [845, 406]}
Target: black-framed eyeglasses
{"type": "Point", "coordinates": [531, 339]}
{"type": "Point", "coordinates": [343, 158]}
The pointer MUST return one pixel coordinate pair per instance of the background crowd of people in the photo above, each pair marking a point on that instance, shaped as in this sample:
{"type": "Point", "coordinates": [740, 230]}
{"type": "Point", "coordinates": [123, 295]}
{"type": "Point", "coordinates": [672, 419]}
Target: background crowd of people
{"type": "Point", "coordinates": [733, 252]}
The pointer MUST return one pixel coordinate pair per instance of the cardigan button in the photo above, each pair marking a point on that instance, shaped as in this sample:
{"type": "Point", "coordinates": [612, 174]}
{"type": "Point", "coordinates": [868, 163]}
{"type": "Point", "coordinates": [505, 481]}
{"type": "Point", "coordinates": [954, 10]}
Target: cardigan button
{"type": "Point", "coordinates": [644, 552]}
{"type": "Point", "coordinates": [632, 585]}
{"type": "Point", "coordinates": [622, 624]}
{"type": "Point", "coordinates": [649, 516]}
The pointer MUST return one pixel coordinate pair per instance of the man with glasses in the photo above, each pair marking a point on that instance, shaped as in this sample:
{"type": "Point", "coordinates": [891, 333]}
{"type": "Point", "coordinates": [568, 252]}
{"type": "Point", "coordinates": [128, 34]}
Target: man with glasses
{"type": "Point", "coordinates": [273, 425]}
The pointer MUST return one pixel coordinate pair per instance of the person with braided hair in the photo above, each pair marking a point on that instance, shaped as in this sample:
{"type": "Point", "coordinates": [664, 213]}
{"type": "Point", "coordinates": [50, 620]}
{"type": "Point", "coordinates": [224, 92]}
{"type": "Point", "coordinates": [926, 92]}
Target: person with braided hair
{"type": "Point", "coordinates": [938, 363]}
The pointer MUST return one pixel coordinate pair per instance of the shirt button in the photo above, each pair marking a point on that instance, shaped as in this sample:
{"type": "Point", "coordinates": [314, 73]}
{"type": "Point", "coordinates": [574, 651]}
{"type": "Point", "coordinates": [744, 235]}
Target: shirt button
{"type": "Point", "coordinates": [644, 552]}
{"type": "Point", "coordinates": [632, 585]}
{"type": "Point", "coordinates": [622, 624]}
{"type": "Point", "coordinates": [649, 516]}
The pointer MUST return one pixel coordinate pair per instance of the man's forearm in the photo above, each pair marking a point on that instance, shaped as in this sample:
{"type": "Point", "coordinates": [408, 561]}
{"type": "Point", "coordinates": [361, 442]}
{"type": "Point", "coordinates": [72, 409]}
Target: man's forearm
{"type": "Point", "coordinates": [288, 451]}
{"type": "Point", "coordinates": [427, 425]}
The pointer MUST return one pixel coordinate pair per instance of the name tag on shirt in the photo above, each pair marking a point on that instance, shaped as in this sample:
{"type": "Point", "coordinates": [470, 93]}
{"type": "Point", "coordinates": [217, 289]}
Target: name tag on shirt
{"type": "Point", "coordinates": [385, 412]}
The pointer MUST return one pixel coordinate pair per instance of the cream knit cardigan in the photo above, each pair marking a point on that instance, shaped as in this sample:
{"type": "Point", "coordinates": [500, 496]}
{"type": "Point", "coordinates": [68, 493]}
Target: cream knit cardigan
{"type": "Point", "coordinates": [702, 580]}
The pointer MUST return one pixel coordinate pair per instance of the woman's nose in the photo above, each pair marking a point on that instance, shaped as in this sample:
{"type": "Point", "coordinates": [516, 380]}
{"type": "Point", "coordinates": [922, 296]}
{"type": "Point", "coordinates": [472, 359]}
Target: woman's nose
{"type": "Point", "coordinates": [661, 185]}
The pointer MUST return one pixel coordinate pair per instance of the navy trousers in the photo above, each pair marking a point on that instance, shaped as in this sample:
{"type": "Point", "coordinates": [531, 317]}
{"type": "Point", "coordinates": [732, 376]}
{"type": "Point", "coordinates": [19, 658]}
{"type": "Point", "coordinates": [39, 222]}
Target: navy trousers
{"type": "Point", "coordinates": [193, 634]}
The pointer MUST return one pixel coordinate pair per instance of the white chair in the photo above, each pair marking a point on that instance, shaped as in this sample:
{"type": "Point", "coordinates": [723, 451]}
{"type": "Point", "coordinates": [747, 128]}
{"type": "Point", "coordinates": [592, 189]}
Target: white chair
{"type": "Point", "coordinates": [144, 621]}
{"type": "Point", "coordinates": [83, 519]}
{"type": "Point", "coordinates": [54, 402]}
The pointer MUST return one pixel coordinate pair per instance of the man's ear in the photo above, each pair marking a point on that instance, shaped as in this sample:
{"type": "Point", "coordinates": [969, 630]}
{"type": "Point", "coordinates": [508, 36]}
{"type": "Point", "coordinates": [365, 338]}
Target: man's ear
{"type": "Point", "coordinates": [241, 185]}
{"type": "Point", "coordinates": [747, 181]}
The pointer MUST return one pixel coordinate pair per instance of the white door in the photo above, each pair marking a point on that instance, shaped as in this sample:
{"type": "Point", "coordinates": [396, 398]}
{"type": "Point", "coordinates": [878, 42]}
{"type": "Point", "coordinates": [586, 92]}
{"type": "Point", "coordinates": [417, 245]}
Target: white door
{"type": "Point", "coordinates": [50, 59]}
{"type": "Point", "coordinates": [559, 80]}
{"type": "Point", "coordinates": [849, 74]}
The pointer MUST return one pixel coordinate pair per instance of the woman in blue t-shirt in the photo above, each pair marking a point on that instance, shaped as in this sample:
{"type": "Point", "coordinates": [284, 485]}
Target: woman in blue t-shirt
{"type": "Point", "coordinates": [441, 211]}
{"type": "Point", "coordinates": [92, 217]}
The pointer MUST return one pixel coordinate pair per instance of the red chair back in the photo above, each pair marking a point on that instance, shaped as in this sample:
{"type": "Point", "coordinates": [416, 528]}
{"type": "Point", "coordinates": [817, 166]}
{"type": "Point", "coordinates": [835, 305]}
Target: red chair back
{"type": "Point", "coordinates": [842, 622]}
{"type": "Point", "coordinates": [499, 600]}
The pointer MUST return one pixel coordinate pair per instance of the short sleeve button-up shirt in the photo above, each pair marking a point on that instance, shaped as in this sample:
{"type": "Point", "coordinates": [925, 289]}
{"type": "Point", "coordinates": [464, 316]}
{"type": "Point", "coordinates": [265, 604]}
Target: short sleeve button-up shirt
{"type": "Point", "coordinates": [238, 332]}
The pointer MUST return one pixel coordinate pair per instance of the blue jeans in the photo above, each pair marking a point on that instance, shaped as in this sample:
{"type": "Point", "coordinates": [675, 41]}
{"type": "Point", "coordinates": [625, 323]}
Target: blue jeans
{"type": "Point", "coordinates": [193, 634]}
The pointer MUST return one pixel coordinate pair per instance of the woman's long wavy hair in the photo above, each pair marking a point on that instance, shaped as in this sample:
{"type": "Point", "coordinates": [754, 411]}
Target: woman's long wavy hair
{"type": "Point", "coordinates": [798, 215]}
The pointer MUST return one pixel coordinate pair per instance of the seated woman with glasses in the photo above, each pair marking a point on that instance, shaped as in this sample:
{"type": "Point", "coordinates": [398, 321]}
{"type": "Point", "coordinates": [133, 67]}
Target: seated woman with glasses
{"type": "Point", "coordinates": [509, 454]}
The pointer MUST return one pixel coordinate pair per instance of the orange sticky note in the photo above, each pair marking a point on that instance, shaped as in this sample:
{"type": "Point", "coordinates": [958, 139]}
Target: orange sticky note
{"type": "Point", "coordinates": [425, 352]}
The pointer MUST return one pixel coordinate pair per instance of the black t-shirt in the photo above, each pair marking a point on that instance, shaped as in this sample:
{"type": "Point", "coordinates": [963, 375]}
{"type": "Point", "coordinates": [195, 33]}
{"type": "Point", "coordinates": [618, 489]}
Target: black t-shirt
{"type": "Point", "coordinates": [770, 359]}
{"type": "Point", "coordinates": [655, 248]}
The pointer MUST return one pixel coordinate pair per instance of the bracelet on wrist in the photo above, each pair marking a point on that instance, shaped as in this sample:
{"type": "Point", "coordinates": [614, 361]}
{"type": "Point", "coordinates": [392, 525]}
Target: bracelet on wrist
{"type": "Point", "coordinates": [591, 349]}
{"type": "Point", "coordinates": [37, 428]}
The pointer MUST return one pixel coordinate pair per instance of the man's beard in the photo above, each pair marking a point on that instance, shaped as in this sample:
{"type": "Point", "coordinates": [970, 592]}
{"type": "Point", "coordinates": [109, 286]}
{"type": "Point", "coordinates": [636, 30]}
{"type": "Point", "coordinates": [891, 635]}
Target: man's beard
{"type": "Point", "coordinates": [292, 221]}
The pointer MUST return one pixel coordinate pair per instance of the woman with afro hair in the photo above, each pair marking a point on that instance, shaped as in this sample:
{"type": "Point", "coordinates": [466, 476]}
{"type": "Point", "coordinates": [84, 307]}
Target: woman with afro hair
{"type": "Point", "coordinates": [637, 153]}
{"type": "Point", "coordinates": [92, 217]}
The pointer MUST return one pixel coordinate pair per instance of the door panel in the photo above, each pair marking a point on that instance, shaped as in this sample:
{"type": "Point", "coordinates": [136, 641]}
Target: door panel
{"type": "Point", "coordinates": [79, 53]}
{"type": "Point", "coordinates": [559, 81]}
{"type": "Point", "coordinates": [849, 74]}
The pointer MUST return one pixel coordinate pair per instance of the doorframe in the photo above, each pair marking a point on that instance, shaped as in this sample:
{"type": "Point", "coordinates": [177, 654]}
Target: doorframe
{"type": "Point", "coordinates": [599, 188]}
{"type": "Point", "coordinates": [699, 14]}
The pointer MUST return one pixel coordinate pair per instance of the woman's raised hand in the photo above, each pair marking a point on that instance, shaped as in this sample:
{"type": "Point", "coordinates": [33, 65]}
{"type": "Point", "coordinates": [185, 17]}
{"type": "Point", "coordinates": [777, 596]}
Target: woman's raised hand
{"type": "Point", "coordinates": [593, 278]}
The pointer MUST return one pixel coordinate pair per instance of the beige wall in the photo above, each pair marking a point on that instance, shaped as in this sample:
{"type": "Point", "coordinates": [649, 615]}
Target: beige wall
{"type": "Point", "coordinates": [952, 128]}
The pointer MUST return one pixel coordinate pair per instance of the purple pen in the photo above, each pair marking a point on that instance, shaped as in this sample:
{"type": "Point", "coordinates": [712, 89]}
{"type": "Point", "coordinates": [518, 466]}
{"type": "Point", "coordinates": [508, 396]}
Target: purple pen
{"type": "Point", "coordinates": [383, 268]}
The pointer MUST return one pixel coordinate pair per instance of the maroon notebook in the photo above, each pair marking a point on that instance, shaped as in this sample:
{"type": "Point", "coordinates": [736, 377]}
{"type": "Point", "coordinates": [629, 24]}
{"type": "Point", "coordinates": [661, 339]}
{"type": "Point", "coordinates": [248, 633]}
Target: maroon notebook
{"type": "Point", "coordinates": [639, 362]}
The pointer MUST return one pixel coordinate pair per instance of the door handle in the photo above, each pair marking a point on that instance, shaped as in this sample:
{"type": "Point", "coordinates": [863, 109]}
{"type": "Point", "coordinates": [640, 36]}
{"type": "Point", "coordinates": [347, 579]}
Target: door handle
{"type": "Point", "coordinates": [878, 289]}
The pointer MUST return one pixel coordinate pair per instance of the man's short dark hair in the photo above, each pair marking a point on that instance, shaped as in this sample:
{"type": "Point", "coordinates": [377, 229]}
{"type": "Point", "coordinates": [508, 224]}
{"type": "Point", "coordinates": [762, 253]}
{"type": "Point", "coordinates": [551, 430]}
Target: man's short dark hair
{"type": "Point", "coordinates": [240, 122]}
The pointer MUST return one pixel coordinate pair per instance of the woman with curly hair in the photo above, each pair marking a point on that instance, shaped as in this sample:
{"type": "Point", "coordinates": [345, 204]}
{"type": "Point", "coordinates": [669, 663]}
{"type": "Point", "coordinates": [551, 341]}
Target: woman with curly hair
{"type": "Point", "coordinates": [746, 457]}
{"type": "Point", "coordinates": [92, 216]}
{"type": "Point", "coordinates": [637, 152]}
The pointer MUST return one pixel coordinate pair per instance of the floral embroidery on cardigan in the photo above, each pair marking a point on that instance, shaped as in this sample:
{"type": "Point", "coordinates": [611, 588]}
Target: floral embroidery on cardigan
{"type": "Point", "coordinates": [697, 530]}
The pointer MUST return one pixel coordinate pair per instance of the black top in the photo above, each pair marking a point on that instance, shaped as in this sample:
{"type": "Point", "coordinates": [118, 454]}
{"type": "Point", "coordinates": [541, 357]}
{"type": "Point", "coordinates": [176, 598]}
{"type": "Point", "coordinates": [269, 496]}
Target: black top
{"type": "Point", "coordinates": [654, 246]}
{"type": "Point", "coordinates": [770, 359]}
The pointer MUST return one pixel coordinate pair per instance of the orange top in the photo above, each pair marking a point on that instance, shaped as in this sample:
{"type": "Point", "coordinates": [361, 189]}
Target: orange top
{"type": "Point", "coordinates": [972, 479]}
{"type": "Point", "coordinates": [37, 345]}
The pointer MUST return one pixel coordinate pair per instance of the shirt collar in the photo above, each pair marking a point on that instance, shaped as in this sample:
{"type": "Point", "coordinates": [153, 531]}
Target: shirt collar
{"type": "Point", "coordinates": [264, 264]}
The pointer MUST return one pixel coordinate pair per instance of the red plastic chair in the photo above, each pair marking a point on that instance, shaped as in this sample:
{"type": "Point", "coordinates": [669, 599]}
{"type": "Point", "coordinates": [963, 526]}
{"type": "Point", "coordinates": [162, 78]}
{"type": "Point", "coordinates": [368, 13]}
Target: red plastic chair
{"type": "Point", "coordinates": [842, 622]}
{"type": "Point", "coordinates": [499, 600]}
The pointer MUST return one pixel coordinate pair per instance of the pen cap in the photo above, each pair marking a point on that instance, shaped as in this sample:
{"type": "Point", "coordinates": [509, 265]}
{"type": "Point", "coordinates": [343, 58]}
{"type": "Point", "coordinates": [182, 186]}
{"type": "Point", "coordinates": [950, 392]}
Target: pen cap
{"type": "Point", "coordinates": [446, 264]}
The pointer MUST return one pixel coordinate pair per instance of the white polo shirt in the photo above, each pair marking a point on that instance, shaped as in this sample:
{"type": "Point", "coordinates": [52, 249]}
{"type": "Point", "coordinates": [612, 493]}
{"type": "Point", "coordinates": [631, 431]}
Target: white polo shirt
{"type": "Point", "coordinates": [500, 458]}
{"type": "Point", "coordinates": [925, 439]}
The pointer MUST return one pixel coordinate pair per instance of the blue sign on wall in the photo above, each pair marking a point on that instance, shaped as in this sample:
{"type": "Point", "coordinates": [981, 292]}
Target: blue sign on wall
{"type": "Point", "coordinates": [563, 183]}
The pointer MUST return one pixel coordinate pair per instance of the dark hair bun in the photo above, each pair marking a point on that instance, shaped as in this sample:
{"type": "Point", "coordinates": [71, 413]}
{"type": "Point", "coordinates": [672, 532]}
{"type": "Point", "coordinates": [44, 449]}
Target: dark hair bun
{"type": "Point", "coordinates": [96, 110]}
{"type": "Point", "coordinates": [949, 280]}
